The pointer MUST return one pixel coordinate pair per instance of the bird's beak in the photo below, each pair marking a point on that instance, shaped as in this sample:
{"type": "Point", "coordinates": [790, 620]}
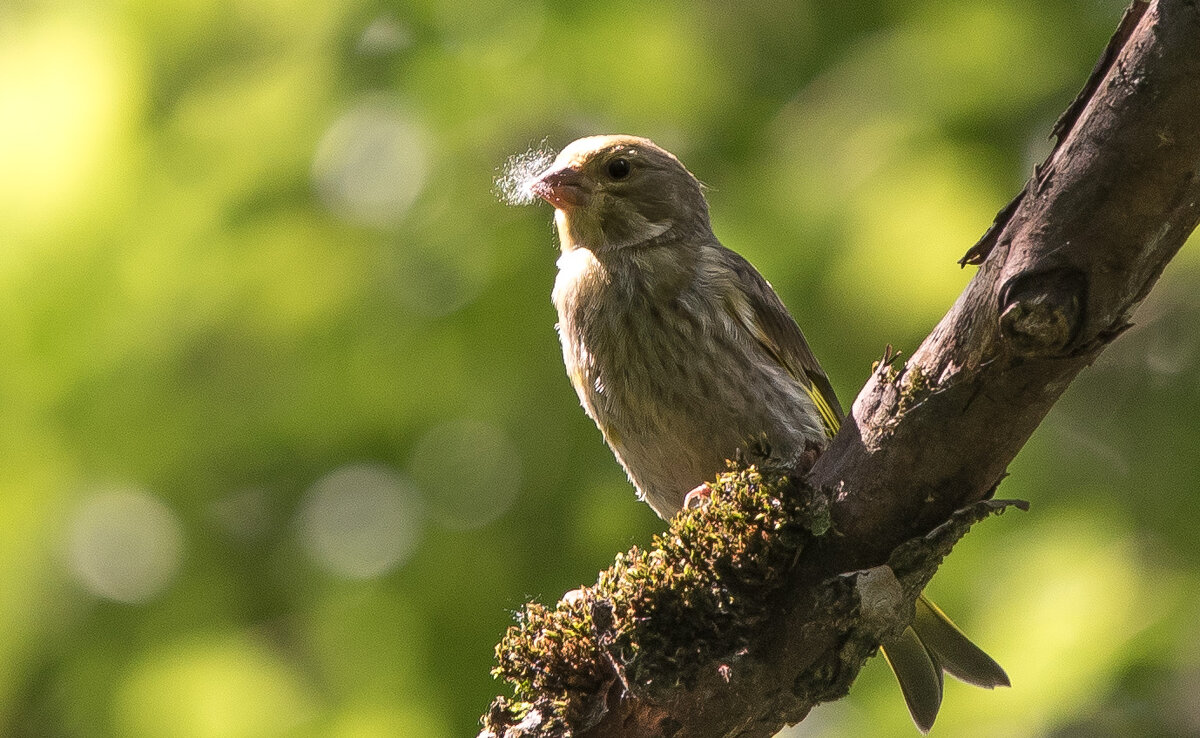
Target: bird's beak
{"type": "Point", "coordinates": [564, 188]}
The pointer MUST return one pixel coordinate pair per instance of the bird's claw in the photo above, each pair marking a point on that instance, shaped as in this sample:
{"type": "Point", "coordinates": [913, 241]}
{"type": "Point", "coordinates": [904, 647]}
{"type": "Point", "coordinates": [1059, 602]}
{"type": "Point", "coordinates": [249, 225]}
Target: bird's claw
{"type": "Point", "coordinates": [698, 497]}
{"type": "Point", "coordinates": [574, 597]}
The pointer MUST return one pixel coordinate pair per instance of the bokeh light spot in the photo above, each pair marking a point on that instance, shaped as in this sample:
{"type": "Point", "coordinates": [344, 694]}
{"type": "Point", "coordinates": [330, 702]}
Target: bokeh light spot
{"type": "Point", "coordinates": [908, 231]}
{"type": "Point", "coordinates": [384, 35]}
{"type": "Point", "coordinates": [67, 93]}
{"type": "Point", "coordinates": [470, 470]}
{"type": "Point", "coordinates": [124, 545]}
{"type": "Point", "coordinates": [215, 686]}
{"type": "Point", "coordinates": [371, 164]}
{"type": "Point", "coordinates": [367, 719]}
{"type": "Point", "coordinates": [360, 521]}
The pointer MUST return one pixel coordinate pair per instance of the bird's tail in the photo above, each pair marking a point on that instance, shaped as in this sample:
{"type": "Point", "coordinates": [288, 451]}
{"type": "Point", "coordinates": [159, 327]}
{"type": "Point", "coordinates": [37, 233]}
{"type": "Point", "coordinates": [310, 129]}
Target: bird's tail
{"type": "Point", "coordinates": [931, 645]}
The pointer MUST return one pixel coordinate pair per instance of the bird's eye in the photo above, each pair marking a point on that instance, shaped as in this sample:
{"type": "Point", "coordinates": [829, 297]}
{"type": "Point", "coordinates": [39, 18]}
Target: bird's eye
{"type": "Point", "coordinates": [618, 168]}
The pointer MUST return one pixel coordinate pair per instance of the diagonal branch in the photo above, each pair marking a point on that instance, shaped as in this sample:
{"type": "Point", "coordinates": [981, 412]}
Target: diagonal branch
{"type": "Point", "coordinates": [1063, 268]}
{"type": "Point", "coordinates": [1096, 226]}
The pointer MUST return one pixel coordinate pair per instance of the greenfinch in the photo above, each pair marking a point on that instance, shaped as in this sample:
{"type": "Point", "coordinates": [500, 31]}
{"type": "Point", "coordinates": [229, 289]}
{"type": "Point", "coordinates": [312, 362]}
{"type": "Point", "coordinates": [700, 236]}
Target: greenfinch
{"type": "Point", "coordinates": [682, 354]}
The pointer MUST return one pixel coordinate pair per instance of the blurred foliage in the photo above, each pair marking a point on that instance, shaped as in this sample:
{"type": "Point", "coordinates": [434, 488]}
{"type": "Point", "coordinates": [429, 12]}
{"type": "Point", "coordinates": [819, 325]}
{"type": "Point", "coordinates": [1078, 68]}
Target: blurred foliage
{"type": "Point", "coordinates": [284, 432]}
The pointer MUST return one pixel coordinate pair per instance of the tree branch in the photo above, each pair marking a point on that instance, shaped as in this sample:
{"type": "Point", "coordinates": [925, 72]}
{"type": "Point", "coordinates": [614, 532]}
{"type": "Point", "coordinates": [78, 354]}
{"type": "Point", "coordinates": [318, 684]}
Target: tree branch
{"type": "Point", "coordinates": [925, 445]}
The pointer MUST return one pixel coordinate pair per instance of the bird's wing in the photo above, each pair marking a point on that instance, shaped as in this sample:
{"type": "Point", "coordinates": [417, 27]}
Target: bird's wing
{"type": "Point", "coordinates": [752, 303]}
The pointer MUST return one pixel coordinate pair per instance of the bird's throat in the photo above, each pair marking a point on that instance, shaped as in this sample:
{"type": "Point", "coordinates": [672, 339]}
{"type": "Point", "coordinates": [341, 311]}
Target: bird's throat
{"type": "Point", "coordinates": [566, 239]}
{"type": "Point", "coordinates": [577, 228]}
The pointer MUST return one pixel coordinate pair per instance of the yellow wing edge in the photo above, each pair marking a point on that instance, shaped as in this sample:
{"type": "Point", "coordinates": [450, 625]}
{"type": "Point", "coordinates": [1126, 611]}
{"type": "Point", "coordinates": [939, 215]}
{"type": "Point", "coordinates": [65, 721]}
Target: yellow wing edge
{"type": "Point", "coordinates": [828, 416]}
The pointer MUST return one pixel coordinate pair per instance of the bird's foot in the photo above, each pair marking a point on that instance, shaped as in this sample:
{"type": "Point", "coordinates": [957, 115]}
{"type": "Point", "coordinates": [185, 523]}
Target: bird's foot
{"type": "Point", "coordinates": [698, 497]}
{"type": "Point", "coordinates": [574, 597]}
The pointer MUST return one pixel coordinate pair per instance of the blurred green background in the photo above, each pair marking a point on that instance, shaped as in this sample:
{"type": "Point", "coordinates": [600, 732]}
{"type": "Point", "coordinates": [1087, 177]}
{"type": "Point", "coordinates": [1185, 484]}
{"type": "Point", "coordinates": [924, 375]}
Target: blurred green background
{"type": "Point", "coordinates": [284, 434]}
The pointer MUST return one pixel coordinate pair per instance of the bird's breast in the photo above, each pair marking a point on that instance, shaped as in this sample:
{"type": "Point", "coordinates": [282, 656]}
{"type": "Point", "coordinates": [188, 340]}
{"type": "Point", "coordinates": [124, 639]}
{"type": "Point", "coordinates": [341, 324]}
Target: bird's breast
{"type": "Point", "coordinates": [675, 385]}
{"type": "Point", "coordinates": [633, 351]}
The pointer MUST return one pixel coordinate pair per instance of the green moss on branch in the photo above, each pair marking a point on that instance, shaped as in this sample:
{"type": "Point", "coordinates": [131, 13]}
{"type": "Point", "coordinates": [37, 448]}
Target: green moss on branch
{"type": "Point", "coordinates": [655, 616]}
{"type": "Point", "coordinates": [687, 618]}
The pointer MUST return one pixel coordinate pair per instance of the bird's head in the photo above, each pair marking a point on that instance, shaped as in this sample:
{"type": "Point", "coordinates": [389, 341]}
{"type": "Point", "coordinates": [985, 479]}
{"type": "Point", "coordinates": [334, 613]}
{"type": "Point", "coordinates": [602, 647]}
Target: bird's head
{"type": "Point", "coordinates": [612, 192]}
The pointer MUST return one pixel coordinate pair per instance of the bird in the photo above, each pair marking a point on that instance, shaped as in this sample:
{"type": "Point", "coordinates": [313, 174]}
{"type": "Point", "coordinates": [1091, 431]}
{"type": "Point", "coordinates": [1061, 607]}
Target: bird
{"type": "Point", "coordinates": [682, 353]}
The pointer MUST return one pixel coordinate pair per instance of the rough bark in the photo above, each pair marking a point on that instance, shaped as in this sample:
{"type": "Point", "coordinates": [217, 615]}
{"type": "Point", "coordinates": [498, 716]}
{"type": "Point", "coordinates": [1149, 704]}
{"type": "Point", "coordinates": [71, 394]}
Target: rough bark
{"type": "Point", "coordinates": [1061, 272]}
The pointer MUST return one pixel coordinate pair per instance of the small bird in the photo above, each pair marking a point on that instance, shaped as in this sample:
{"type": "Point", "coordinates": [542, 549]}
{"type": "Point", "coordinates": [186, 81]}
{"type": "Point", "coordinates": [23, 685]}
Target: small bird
{"type": "Point", "coordinates": [682, 353]}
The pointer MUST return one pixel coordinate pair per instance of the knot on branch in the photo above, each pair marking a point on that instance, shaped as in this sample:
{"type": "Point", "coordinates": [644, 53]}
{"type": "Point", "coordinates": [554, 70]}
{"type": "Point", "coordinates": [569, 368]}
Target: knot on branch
{"type": "Point", "coordinates": [1042, 312]}
{"type": "Point", "coordinates": [881, 598]}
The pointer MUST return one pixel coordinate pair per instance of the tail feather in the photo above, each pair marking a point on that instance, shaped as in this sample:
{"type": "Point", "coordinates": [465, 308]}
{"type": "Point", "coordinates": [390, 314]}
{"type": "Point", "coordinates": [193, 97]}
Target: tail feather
{"type": "Point", "coordinates": [951, 647]}
{"type": "Point", "coordinates": [931, 645]}
{"type": "Point", "coordinates": [919, 674]}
